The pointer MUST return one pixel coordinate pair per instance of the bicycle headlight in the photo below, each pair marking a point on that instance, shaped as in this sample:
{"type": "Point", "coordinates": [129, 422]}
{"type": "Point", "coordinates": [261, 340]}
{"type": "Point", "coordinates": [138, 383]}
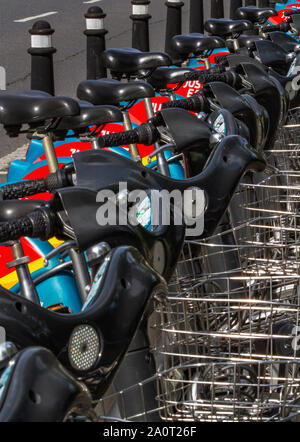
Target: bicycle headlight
{"type": "Point", "coordinates": [84, 347]}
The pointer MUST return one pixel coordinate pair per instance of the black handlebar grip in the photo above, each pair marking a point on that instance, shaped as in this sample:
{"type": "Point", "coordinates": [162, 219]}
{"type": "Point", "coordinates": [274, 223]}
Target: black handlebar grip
{"type": "Point", "coordinates": [204, 77]}
{"type": "Point", "coordinates": [200, 75]}
{"type": "Point", "coordinates": [283, 27]}
{"type": "Point", "coordinates": [24, 189]}
{"type": "Point", "coordinates": [38, 224]}
{"type": "Point", "coordinates": [291, 12]}
{"type": "Point", "coordinates": [146, 134]}
{"type": "Point", "coordinates": [15, 229]}
{"type": "Point", "coordinates": [196, 103]}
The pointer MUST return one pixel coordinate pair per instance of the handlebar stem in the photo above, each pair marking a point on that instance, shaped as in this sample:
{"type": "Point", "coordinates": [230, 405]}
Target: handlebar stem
{"type": "Point", "coordinates": [161, 160]}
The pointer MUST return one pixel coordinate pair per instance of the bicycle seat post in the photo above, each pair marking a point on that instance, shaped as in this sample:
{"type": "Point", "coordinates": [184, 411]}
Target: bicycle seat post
{"type": "Point", "coordinates": [204, 58]}
{"type": "Point", "coordinates": [128, 126]}
{"type": "Point", "coordinates": [50, 153]}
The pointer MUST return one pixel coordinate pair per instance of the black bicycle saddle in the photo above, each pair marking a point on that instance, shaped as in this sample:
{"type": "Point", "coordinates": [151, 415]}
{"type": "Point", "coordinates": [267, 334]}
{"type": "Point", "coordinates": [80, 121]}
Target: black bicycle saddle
{"type": "Point", "coordinates": [164, 76]}
{"type": "Point", "coordinates": [254, 14]}
{"type": "Point", "coordinates": [34, 107]}
{"type": "Point", "coordinates": [131, 61]}
{"type": "Point", "coordinates": [224, 27]}
{"type": "Point", "coordinates": [110, 91]}
{"type": "Point", "coordinates": [89, 115]}
{"type": "Point", "coordinates": [195, 43]}
{"type": "Point", "coordinates": [247, 41]}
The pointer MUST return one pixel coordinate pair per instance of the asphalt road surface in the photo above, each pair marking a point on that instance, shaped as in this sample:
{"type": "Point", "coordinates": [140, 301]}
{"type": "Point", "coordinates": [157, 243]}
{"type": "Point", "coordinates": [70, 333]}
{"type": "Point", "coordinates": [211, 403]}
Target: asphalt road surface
{"type": "Point", "coordinates": [67, 18]}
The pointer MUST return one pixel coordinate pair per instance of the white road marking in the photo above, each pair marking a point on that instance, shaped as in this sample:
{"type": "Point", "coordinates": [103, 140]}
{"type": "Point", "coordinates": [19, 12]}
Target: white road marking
{"type": "Point", "coordinates": [18, 154]}
{"type": "Point", "coordinates": [93, 1]}
{"type": "Point", "coordinates": [23, 20]}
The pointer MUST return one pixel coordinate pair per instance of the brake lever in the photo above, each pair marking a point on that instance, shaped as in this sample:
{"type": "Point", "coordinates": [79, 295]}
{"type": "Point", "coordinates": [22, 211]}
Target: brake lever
{"type": "Point", "coordinates": [165, 136]}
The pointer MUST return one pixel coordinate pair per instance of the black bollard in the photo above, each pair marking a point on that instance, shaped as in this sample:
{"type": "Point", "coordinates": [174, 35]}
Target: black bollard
{"type": "Point", "coordinates": [174, 24]}
{"type": "Point", "coordinates": [140, 24]}
{"type": "Point", "coordinates": [196, 16]}
{"type": "Point", "coordinates": [41, 51]}
{"type": "Point", "coordinates": [272, 3]}
{"type": "Point", "coordinates": [95, 43]}
{"type": "Point", "coordinates": [234, 5]}
{"type": "Point", "coordinates": [263, 3]}
{"type": "Point", "coordinates": [217, 9]}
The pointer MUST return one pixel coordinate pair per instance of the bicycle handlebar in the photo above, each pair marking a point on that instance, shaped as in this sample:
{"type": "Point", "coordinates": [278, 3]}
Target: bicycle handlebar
{"type": "Point", "coordinates": [33, 187]}
{"type": "Point", "coordinates": [38, 224]}
{"type": "Point", "coordinates": [290, 13]}
{"type": "Point", "coordinates": [197, 103]}
{"type": "Point", "coordinates": [283, 27]}
{"type": "Point", "coordinates": [210, 76]}
{"type": "Point", "coordinates": [146, 134]}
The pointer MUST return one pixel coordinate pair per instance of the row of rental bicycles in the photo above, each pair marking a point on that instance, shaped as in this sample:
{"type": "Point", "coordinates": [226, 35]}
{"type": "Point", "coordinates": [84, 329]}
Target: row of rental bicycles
{"type": "Point", "coordinates": [114, 310]}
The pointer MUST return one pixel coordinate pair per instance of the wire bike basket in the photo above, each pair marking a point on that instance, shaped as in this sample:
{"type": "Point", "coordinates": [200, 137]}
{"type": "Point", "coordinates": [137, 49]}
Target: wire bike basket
{"type": "Point", "coordinates": [229, 332]}
{"type": "Point", "coordinates": [227, 339]}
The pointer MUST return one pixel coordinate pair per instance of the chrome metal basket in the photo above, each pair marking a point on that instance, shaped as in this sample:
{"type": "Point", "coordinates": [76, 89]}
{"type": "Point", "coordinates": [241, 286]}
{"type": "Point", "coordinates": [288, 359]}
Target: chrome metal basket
{"type": "Point", "coordinates": [227, 338]}
{"type": "Point", "coordinates": [252, 391]}
{"type": "Point", "coordinates": [230, 350]}
{"type": "Point", "coordinates": [231, 391]}
{"type": "Point", "coordinates": [286, 153]}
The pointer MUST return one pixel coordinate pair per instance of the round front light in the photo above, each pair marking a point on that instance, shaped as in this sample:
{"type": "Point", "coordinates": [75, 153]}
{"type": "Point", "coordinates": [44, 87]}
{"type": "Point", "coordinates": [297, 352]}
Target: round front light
{"type": "Point", "coordinates": [84, 347]}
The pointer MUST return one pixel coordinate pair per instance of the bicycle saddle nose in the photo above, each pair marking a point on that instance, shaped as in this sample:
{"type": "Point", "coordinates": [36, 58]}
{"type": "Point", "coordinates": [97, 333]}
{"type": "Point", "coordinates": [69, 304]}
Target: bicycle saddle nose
{"type": "Point", "coordinates": [224, 27]}
{"type": "Point", "coordinates": [34, 107]}
{"type": "Point", "coordinates": [90, 115]}
{"type": "Point", "coordinates": [254, 14]}
{"type": "Point", "coordinates": [196, 43]}
{"type": "Point", "coordinates": [13, 209]}
{"type": "Point", "coordinates": [131, 61]}
{"type": "Point", "coordinates": [109, 91]}
{"type": "Point", "coordinates": [163, 76]}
